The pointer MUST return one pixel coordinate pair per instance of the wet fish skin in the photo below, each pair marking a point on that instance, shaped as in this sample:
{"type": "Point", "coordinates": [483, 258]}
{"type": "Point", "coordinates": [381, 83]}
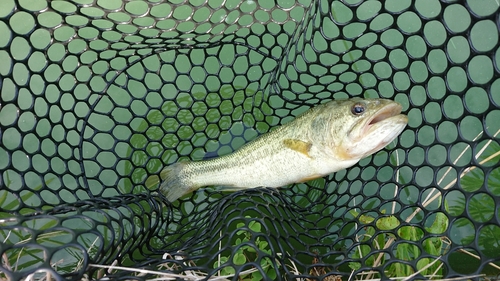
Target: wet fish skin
{"type": "Point", "coordinates": [325, 139]}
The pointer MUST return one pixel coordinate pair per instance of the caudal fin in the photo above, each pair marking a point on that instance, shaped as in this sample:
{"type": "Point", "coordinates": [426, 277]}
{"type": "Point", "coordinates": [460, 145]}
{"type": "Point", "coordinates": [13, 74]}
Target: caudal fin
{"type": "Point", "coordinates": [174, 183]}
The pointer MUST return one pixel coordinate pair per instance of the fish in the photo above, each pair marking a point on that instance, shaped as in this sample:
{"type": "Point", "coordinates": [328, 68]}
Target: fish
{"type": "Point", "coordinates": [324, 139]}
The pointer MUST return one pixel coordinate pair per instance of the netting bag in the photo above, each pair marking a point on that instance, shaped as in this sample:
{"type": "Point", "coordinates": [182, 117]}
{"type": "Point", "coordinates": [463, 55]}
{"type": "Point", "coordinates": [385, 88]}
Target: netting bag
{"type": "Point", "coordinates": [96, 97]}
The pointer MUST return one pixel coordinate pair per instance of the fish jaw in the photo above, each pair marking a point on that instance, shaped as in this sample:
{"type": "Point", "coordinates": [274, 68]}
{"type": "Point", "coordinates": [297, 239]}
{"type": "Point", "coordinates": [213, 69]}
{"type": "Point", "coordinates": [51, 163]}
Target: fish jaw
{"type": "Point", "coordinates": [375, 132]}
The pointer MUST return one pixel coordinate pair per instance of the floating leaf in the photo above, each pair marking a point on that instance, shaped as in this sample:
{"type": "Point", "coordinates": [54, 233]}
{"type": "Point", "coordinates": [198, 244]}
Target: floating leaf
{"type": "Point", "coordinates": [439, 225]}
{"type": "Point", "coordinates": [255, 226]}
{"type": "Point", "coordinates": [362, 218]}
{"type": "Point", "coordinates": [239, 258]}
{"type": "Point", "coordinates": [387, 223]}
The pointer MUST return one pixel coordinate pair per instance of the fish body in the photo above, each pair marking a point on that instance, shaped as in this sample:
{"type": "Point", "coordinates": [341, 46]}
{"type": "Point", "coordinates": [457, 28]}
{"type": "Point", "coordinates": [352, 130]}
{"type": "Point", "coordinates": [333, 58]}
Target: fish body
{"type": "Point", "coordinates": [325, 139]}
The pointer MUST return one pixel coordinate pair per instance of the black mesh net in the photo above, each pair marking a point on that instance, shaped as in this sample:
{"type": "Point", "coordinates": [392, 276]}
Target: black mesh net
{"type": "Point", "coordinates": [97, 96]}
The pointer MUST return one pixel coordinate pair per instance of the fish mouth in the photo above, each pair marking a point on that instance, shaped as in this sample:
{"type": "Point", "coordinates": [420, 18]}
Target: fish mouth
{"type": "Point", "coordinates": [391, 111]}
{"type": "Point", "coordinates": [384, 119]}
{"type": "Point", "coordinates": [383, 127]}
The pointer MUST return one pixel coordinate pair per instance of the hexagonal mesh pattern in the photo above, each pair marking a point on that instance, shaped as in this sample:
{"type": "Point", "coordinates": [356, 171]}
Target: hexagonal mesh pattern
{"type": "Point", "coordinates": [98, 96]}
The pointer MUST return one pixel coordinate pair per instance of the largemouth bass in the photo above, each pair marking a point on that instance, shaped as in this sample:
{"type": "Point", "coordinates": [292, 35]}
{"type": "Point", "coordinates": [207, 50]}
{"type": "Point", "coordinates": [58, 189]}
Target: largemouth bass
{"type": "Point", "coordinates": [325, 139]}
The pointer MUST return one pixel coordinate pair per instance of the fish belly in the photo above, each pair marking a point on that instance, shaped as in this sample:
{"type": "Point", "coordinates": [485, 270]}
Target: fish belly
{"type": "Point", "coordinates": [272, 169]}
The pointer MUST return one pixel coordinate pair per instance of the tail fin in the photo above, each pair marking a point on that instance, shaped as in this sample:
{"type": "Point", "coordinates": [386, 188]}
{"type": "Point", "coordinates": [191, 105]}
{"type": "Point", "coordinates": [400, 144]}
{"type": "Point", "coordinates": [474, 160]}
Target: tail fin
{"type": "Point", "coordinates": [174, 185]}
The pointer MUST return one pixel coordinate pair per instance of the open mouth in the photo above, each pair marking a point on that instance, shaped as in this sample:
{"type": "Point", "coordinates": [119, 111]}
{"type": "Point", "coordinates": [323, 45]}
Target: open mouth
{"type": "Point", "coordinates": [389, 114]}
{"type": "Point", "coordinates": [384, 113]}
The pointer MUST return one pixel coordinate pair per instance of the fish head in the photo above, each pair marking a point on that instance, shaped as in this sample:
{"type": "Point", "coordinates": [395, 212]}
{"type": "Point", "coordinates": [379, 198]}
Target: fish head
{"type": "Point", "coordinates": [364, 126]}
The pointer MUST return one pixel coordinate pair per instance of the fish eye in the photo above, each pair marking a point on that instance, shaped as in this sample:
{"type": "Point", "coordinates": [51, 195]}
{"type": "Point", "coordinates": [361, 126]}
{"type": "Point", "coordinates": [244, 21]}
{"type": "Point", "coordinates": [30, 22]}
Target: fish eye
{"type": "Point", "coordinates": [358, 108]}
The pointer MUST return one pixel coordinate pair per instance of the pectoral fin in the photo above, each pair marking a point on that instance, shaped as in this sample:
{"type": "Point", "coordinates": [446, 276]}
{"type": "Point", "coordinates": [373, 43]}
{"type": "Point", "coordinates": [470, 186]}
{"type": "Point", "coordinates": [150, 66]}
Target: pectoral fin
{"type": "Point", "coordinates": [299, 146]}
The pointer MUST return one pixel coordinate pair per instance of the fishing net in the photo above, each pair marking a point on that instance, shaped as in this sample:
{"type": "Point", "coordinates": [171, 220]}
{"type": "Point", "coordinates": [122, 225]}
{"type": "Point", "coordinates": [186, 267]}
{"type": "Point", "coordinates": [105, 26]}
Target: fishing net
{"type": "Point", "coordinates": [96, 97]}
